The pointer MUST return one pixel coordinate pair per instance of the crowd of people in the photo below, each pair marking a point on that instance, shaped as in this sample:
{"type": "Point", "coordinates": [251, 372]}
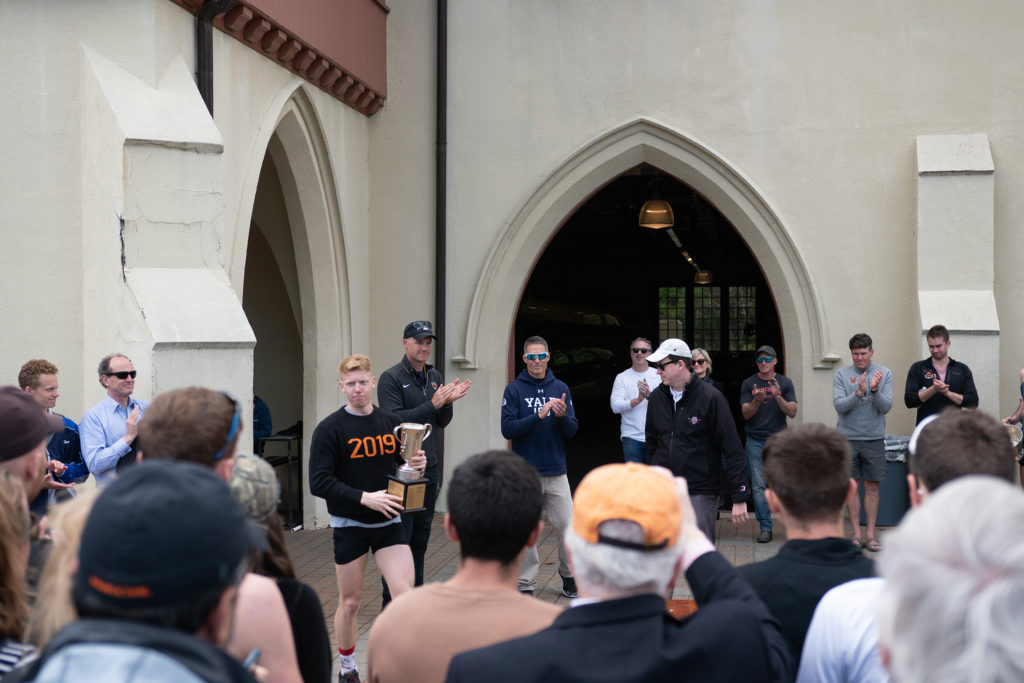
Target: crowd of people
{"type": "Point", "coordinates": [176, 568]}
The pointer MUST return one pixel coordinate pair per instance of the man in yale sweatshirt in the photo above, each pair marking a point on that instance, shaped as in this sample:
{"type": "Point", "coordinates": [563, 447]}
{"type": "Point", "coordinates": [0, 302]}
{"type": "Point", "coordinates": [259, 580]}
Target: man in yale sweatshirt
{"type": "Point", "coordinates": [537, 416]}
{"type": "Point", "coordinates": [862, 395]}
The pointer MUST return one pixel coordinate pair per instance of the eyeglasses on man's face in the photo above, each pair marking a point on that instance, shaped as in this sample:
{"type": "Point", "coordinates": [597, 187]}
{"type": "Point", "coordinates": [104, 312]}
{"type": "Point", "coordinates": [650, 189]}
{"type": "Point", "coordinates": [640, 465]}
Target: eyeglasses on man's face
{"type": "Point", "coordinates": [637, 349]}
{"type": "Point", "coordinates": [122, 375]}
{"type": "Point", "coordinates": [662, 366]}
{"type": "Point", "coordinates": [765, 359]}
{"type": "Point", "coordinates": [537, 356]}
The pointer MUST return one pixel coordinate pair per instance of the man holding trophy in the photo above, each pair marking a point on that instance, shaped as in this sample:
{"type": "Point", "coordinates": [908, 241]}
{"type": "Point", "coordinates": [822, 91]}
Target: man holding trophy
{"type": "Point", "coordinates": [352, 455]}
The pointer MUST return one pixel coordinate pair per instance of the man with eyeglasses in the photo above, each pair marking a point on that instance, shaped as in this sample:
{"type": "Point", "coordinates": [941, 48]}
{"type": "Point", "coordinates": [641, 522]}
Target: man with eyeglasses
{"type": "Point", "coordinates": [766, 400]}
{"type": "Point", "coordinates": [108, 431]}
{"type": "Point", "coordinates": [537, 417]}
{"type": "Point", "coordinates": [416, 392]}
{"type": "Point", "coordinates": [630, 391]}
{"type": "Point", "coordinates": [690, 431]}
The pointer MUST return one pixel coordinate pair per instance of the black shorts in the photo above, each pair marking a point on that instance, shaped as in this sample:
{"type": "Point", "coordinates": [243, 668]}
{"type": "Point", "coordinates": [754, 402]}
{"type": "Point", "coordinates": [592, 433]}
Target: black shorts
{"type": "Point", "coordinates": [868, 462]}
{"type": "Point", "coordinates": [352, 542]}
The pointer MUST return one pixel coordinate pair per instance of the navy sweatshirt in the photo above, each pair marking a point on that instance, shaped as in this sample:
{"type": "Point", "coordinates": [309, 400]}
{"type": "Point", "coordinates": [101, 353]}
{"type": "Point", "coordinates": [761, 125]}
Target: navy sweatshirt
{"type": "Point", "coordinates": [541, 442]}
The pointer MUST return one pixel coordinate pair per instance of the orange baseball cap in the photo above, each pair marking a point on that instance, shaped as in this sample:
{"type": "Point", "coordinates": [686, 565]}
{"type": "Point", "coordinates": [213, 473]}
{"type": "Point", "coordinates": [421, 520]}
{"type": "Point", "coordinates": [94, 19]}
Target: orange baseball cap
{"type": "Point", "coordinates": [632, 492]}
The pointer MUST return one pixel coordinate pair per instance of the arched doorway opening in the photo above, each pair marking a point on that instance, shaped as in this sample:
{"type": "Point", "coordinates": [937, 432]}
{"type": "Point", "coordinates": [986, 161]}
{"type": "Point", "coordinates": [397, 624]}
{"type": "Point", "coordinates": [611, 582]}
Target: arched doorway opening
{"type": "Point", "coordinates": [294, 280]}
{"type": "Point", "coordinates": [270, 299]}
{"type": "Point", "coordinates": [602, 280]}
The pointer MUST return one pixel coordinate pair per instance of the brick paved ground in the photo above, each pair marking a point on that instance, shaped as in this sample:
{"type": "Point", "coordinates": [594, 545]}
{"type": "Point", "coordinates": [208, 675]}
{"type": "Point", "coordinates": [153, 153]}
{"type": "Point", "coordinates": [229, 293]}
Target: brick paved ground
{"type": "Point", "coordinates": [312, 553]}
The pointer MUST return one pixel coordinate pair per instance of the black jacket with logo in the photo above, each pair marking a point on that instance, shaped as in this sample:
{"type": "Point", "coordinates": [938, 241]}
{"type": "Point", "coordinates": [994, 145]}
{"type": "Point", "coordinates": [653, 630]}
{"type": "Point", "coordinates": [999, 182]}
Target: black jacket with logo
{"type": "Point", "coordinates": [400, 392]}
{"type": "Point", "coordinates": [691, 437]}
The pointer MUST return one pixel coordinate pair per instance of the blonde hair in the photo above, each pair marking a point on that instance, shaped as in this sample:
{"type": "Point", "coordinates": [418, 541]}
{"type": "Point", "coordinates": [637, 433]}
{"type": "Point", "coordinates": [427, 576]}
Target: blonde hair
{"type": "Point", "coordinates": [53, 608]}
{"type": "Point", "coordinates": [705, 354]}
{"type": "Point", "coordinates": [14, 539]}
{"type": "Point", "coordinates": [357, 361]}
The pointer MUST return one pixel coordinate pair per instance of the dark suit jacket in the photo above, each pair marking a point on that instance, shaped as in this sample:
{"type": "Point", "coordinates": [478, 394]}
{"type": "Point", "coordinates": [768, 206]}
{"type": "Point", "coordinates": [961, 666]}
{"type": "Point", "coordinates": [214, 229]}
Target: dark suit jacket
{"type": "Point", "coordinates": [731, 637]}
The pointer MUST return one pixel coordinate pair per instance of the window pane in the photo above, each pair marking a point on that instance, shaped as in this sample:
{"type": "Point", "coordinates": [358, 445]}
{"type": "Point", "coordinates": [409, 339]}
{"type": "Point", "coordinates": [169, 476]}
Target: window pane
{"type": "Point", "coordinates": [707, 318]}
{"type": "Point", "coordinates": [742, 318]}
{"type": "Point", "coordinates": [671, 312]}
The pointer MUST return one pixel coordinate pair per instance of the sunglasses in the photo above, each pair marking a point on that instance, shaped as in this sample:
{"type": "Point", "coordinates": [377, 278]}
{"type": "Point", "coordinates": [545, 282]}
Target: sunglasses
{"type": "Point", "coordinates": [537, 356]}
{"type": "Point", "coordinates": [637, 349]}
{"type": "Point", "coordinates": [699, 361]}
{"type": "Point", "coordinates": [662, 366]}
{"type": "Point", "coordinates": [765, 359]}
{"type": "Point", "coordinates": [122, 375]}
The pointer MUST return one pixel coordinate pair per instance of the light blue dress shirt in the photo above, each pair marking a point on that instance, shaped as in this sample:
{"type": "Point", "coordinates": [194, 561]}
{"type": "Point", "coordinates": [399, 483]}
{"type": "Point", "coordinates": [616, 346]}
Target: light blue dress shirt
{"type": "Point", "coordinates": [102, 431]}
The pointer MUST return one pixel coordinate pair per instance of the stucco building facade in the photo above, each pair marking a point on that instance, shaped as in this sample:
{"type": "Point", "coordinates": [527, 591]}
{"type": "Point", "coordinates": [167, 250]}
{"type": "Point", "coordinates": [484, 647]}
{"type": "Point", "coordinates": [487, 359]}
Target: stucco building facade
{"type": "Point", "coordinates": [868, 155]}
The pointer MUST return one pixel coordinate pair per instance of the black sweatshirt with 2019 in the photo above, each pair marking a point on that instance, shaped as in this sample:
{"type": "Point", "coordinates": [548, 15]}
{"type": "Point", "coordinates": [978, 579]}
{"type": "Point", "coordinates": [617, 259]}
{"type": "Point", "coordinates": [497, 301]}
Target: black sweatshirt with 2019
{"type": "Point", "coordinates": [351, 454]}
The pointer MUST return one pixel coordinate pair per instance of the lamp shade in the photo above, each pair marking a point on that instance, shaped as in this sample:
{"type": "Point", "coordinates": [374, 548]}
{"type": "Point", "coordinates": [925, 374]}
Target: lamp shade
{"type": "Point", "coordinates": [656, 213]}
{"type": "Point", "coordinates": [702, 277]}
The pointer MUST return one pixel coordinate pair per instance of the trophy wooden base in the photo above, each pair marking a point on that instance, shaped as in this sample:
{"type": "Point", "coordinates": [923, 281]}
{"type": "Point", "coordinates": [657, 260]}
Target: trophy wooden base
{"type": "Point", "coordinates": [412, 493]}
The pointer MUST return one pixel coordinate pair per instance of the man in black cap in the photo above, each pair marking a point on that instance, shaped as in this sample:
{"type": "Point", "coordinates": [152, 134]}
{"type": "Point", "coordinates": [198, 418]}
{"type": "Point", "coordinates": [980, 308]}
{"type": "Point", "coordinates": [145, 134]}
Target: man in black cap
{"type": "Point", "coordinates": [416, 392]}
{"type": "Point", "coordinates": [24, 432]}
{"type": "Point", "coordinates": [161, 610]}
{"type": "Point", "coordinates": [766, 400]}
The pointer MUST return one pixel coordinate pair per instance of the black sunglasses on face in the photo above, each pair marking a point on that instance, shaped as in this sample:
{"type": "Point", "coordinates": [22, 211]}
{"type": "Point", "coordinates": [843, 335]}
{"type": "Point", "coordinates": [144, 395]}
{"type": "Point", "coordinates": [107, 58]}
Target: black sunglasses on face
{"type": "Point", "coordinates": [122, 375]}
{"type": "Point", "coordinates": [662, 366]}
{"type": "Point", "coordinates": [698, 361]}
{"type": "Point", "coordinates": [636, 349]}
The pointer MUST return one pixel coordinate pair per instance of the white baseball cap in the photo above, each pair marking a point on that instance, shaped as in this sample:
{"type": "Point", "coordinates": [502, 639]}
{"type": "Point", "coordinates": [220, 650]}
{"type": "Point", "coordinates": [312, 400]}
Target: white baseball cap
{"type": "Point", "coordinates": [670, 347]}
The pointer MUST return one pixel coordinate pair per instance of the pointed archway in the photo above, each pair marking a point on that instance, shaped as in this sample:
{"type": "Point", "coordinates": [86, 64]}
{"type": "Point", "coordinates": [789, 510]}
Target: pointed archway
{"type": "Point", "coordinates": [489, 336]}
{"type": "Point", "coordinates": [603, 281]}
{"type": "Point", "coordinates": [301, 300]}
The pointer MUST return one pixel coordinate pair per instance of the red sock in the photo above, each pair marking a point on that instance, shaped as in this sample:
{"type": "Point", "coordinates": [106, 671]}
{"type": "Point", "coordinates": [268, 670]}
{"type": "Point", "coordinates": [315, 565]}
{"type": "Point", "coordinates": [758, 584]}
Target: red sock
{"type": "Point", "coordinates": [348, 652]}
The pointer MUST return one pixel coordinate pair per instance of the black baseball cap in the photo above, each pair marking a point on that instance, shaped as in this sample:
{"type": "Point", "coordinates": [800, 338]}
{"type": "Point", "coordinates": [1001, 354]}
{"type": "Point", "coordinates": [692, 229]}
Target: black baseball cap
{"type": "Point", "coordinates": [23, 424]}
{"type": "Point", "coordinates": [419, 329]}
{"type": "Point", "coordinates": [770, 350]}
{"type": "Point", "coordinates": [165, 532]}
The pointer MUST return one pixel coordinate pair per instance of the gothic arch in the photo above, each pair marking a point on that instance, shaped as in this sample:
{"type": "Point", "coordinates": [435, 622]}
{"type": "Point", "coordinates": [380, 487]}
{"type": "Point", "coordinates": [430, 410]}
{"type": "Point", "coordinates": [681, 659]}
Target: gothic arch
{"type": "Point", "coordinates": [517, 249]}
{"type": "Point", "coordinates": [293, 138]}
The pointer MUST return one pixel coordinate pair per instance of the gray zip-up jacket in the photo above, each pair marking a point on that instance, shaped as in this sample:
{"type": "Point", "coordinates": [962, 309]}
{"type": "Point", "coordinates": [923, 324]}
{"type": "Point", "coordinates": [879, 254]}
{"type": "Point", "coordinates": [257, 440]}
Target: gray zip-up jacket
{"type": "Point", "coordinates": [861, 418]}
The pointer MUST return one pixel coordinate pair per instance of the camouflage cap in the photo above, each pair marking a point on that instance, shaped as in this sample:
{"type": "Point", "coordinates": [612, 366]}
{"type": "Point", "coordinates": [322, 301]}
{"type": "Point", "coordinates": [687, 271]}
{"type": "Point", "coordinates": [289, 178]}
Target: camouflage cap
{"type": "Point", "coordinates": [255, 485]}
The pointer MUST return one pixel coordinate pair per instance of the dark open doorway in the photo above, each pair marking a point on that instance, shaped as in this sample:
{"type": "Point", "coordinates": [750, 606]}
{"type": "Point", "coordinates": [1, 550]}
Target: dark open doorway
{"type": "Point", "coordinates": [603, 281]}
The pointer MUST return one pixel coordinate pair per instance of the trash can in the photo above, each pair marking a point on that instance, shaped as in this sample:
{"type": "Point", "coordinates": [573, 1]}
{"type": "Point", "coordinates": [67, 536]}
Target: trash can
{"type": "Point", "coordinates": [893, 495]}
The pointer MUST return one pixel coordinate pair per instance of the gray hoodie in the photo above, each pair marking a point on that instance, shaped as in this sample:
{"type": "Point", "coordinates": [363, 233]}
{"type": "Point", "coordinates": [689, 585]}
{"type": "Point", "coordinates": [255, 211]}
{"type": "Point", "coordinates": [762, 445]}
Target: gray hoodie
{"type": "Point", "coordinates": [861, 418]}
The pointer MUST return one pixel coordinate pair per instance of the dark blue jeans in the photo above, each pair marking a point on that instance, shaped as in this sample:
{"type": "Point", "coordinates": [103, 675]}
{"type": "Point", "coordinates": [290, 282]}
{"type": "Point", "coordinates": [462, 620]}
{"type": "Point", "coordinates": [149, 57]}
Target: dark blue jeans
{"type": "Point", "coordinates": [417, 532]}
{"type": "Point", "coordinates": [756, 470]}
{"type": "Point", "coordinates": [633, 450]}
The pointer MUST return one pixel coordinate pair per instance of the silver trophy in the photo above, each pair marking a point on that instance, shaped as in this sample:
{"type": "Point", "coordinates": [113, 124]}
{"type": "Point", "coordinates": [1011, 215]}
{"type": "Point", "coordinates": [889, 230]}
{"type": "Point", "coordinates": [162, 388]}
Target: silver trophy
{"type": "Point", "coordinates": [411, 436]}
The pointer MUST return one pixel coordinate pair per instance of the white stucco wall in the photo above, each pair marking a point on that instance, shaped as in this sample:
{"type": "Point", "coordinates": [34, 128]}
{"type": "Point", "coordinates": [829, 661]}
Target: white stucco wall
{"type": "Point", "coordinates": [817, 105]}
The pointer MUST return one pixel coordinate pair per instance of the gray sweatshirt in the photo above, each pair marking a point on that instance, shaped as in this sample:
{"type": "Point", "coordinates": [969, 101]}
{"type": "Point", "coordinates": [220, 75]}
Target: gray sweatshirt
{"type": "Point", "coordinates": [861, 418]}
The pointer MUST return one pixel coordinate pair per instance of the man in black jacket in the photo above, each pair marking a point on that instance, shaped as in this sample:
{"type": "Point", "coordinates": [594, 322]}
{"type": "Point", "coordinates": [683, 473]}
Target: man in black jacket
{"type": "Point", "coordinates": [689, 428]}
{"type": "Point", "coordinates": [416, 392]}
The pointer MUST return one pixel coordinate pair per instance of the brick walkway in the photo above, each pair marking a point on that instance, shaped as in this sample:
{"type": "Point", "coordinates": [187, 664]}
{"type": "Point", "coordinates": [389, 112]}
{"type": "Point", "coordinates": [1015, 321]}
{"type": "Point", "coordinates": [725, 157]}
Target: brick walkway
{"type": "Point", "coordinates": [313, 555]}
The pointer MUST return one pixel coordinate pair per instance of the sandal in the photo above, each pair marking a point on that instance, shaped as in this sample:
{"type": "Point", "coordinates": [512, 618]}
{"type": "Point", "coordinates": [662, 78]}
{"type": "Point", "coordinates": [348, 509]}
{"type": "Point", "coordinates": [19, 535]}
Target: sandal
{"type": "Point", "coordinates": [858, 542]}
{"type": "Point", "coordinates": [872, 544]}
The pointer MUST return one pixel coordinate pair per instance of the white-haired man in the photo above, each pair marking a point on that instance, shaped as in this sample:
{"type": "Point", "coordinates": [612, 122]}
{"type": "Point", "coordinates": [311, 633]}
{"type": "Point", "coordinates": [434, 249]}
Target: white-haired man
{"type": "Point", "coordinates": [946, 611]}
{"type": "Point", "coordinates": [633, 528]}
{"type": "Point", "coordinates": [842, 640]}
